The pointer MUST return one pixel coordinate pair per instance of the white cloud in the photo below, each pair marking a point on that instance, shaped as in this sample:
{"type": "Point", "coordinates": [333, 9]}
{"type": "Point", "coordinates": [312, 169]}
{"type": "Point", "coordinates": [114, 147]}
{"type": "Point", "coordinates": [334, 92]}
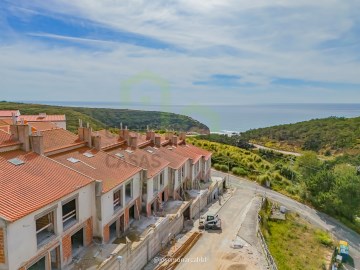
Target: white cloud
{"type": "Point", "coordinates": [258, 40]}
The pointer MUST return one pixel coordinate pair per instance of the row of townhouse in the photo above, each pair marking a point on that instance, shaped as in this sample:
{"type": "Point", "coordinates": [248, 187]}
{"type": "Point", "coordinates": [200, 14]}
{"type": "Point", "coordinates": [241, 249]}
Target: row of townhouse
{"type": "Point", "coordinates": [40, 120]}
{"type": "Point", "coordinates": [61, 191]}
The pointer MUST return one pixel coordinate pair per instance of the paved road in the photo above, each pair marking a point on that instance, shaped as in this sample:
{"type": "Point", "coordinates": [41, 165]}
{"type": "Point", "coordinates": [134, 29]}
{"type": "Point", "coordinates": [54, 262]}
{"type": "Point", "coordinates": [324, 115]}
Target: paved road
{"type": "Point", "coordinates": [313, 216]}
{"type": "Point", "coordinates": [216, 246]}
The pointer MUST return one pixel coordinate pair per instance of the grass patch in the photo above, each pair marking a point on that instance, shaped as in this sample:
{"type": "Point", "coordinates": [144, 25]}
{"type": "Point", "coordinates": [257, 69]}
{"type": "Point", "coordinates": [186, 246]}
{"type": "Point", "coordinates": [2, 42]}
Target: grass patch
{"type": "Point", "coordinates": [296, 244]}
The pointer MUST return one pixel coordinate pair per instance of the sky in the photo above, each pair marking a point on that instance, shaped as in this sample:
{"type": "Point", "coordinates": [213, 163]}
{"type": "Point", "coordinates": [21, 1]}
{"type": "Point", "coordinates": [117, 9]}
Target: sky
{"type": "Point", "coordinates": [180, 52]}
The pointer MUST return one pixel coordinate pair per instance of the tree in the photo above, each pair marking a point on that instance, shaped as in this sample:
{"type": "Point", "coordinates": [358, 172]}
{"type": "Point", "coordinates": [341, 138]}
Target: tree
{"type": "Point", "coordinates": [346, 191]}
{"type": "Point", "coordinates": [308, 164]}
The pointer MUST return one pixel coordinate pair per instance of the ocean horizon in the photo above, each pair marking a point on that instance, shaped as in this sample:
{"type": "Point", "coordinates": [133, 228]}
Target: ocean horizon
{"type": "Point", "coordinates": [234, 118]}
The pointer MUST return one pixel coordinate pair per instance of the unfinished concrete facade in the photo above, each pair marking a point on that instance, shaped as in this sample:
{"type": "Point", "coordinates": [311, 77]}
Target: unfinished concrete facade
{"type": "Point", "coordinates": [116, 181]}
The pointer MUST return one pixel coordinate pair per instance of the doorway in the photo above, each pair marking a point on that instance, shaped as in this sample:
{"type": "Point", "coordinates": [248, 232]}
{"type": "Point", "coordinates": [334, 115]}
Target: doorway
{"type": "Point", "coordinates": [55, 259]}
{"type": "Point", "coordinates": [77, 242]}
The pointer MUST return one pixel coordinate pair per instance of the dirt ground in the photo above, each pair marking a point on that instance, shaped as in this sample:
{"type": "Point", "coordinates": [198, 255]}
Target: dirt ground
{"type": "Point", "coordinates": [217, 248]}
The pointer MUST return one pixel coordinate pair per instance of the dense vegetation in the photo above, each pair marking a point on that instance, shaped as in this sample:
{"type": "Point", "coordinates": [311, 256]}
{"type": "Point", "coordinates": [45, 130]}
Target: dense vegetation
{"type": "Point", "coordinates": [331, 186]}
{"type": "Point", "coordinates": [234, 140]}
{"type": "Point", "coordinates": [295, 243]}
{"type": "Point", "coordinates": [139, 120]}
{"type": "Point", "coordinates": [325, 136]}
{"type": "Point", "coordinates": [101, 118]}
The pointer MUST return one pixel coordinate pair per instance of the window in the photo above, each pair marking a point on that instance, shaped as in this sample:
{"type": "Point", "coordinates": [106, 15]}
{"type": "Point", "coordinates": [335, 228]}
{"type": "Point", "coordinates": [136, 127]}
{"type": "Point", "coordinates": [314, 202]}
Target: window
{"type": "Point", "coordinates": [156, 184]}
{"type": "Point", "coordinates": [161, 179]}
{"type": "Point", "coordinates": [179, 177]}
{"type": "Point", "coordinates": [183, 171]}
{"type": "Point", "coordinates": [118, 203]}
{"type": "Point", "coordinates": [69, 214]}
{"type": "Point", "coordinates": [40, 264]}
{"type": "Point", "coordinates": [128, 191]}
{"type": "Point", "coordinates": [45, 228]}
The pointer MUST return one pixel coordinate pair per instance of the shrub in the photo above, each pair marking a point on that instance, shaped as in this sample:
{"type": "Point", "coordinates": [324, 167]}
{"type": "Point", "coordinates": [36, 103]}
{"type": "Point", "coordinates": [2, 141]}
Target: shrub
{"type": "Point", "coordinates": [217, 166]}
{"type": "Point", "coordinates": [239, 171]}
{"type": "Point", "coordinates": [323, 238]}
{"type": "Point", "coordinates": [224, 168]}
{"type": "Point", "coordinates": [263, 178]}
{"type": "Point", "coordinates": [277, 176]}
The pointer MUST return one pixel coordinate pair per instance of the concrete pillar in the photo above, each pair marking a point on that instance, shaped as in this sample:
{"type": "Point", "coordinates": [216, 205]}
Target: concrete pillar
{"type": "Point", "coordinates": [85, 134]}
{"type": "Point", "coordinates": [182, 136]}
{"type": "Point", "coordinates": [37, 143]}
{"type": "Point", "coordinates": [158, 141]}
{"type": "Point", "coordinates": [133, 142]}
{"type": "Point", "coordinates": [174, 140]}
{"type": "Point", "coordinates": [21, 133]}
{"type": "Point", "coordinates": [96, 142]}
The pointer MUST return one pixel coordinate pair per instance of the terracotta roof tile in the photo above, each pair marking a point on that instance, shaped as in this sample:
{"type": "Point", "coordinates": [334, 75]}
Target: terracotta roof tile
{"type": "Point", "coordinates": [41, 126]}
{"type": "Point", "coordinates": [206, 154]}
{"type": "Point", "coordinates": [6, 139]}
{"type": "Point", "coordinates": [33, 185]}
{"type": "Point", "coordinates": [101, 166]}
{"type": "Point", "coordinates": [167, 153]}
{"type": "Point", "coordinates": [185, 151]}
{"type": "Point", "coordinates": [8, 113]}
{"type": "Point", "coordinates": [4, 126]}
{"type": "Point", "coordinates": [152, 162]}
{"type": "Point", "coordinates": [108, 139]}
{"type": "Point", "coordinates": [45, 118]}
{"type": "Point", "coordinates": [59, 138]}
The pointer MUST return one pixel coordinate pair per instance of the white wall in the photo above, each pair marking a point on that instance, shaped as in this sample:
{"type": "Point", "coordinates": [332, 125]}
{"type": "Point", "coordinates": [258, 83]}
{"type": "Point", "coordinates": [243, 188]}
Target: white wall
{"type": "Point", "coordinates": [150, 185]}
{"type": "Point", "coordinates": [150, 190]}
{"type": "Point", "coordinates": [107, 200]}
{"type": "Point", "coordinates": [21, 234]}
{"type": "Point", "coordinates": [61, 124]}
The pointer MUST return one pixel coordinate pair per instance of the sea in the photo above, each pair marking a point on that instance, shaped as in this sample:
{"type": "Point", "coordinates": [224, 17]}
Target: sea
{"type": "Point", "coordinates": [234, 118]}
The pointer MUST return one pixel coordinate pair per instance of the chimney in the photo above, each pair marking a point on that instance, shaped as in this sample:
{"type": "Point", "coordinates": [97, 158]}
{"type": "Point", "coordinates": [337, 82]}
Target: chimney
{"type": "Point", "coordinates": [133, 142]}
{"type": "Point", "coordinates": [126, 135]}
{"type": "Point", "coordinates": [96, 142]}
{"type": "Point", "coordinates": [37, 143]}
{"type": "Point", "coordinates": [13, 118]}
{"type": "Point", "coordinates": [158, 141]}
{"type": "Point", "coordinates": [150, 135]}
{"type": "Point", "coordinates": [174, 140]}
{"type": "Point", "coordinates": [182, 136]}
{"type": "Point", "coordinates": [169, 136]}
{"type": "Point", "coordinates": [85, 134]}
{"type": "Point", "coordinates": [21, 133]}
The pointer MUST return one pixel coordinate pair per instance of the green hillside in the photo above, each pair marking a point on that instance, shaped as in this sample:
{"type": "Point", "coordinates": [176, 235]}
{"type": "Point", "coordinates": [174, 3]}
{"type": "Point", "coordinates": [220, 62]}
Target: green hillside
{"type": "Point", "coordinates": [100, 118]}
{"type": "Point", "coordinates": [325, 136]}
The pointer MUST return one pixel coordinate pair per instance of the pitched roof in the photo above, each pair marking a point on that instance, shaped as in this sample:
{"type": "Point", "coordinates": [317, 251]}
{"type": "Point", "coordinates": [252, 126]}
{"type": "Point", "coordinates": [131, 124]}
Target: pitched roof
{"type": "Point", "coordinates": [33, 185]}
{"type": "Point", "coordinates": [141, 139]}
{"type": "Point", "coordinates": [185, 151]}
{"type": "Point", "coordinates": [108, 139]}
{"type": "Point", "coordinates": [8, 113]}
{"type": "Point", "coordinates": [42, 126]}
{"type": "Point", "coordinates": [56, 139]}
{"type": "Point", "coordinates": [151, 162]}
{"type": "Point", "coordinates": [43, 118]}
{"type": "Point", "coordinates": [206, 154]}
{"type": "Point", "coordinates": [4, 126]}
{"type": "Point", "coordinates": [7, 139]}
{"type": "Point", "coordinates": [5, 122]}
{"type": "Point", "coordinates": [99, 165]}
{"type": "Point", "coordinates": [166, 153]}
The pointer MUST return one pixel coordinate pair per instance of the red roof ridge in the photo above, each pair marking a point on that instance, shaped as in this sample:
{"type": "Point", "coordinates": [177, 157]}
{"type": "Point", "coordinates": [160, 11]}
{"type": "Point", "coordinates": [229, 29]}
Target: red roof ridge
{"type": "Point", "coordinates": [69, 168]}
